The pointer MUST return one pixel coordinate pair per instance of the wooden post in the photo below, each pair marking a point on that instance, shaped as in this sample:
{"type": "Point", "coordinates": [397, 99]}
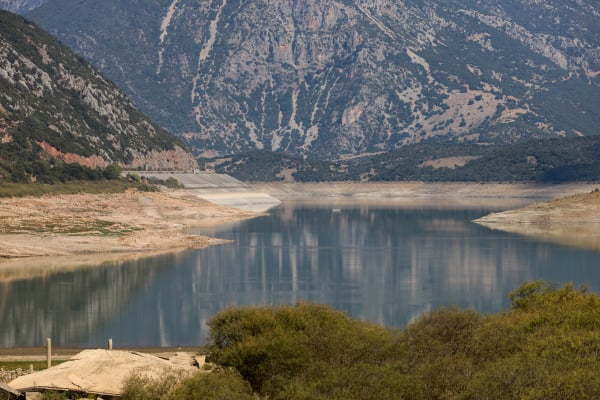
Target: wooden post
{"type": "Point", "coordinates": [49, 352]}
{"type": "Point", "coordinates": [110, 344]}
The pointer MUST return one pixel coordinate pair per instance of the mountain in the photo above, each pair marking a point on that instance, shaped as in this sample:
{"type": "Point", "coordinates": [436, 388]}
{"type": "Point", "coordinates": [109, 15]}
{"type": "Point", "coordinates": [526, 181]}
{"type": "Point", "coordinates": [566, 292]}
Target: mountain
{"type": "Point", "coordinates": [20, 6]}
{"type": "Point", "coordinates": [55, 105]}
{"type": "Point", "coordinates": [326, 78]}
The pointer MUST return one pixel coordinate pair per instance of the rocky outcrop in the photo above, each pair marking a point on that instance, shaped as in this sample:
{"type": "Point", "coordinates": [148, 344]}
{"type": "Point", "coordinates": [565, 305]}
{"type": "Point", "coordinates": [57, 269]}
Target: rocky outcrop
{"type": "Point", "coordinates": [177, 159]}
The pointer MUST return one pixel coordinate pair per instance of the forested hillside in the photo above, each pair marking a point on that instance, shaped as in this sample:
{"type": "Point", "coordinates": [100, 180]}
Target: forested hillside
{"type": "Point", "coordinates": [550, 160]}
{"type": "Point", "coordinates": [60, 118]}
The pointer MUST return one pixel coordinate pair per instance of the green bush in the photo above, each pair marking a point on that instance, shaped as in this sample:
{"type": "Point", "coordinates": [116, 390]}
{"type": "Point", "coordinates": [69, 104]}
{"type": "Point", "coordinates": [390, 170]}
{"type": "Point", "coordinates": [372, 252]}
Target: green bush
{"type": "Point", "coordinates": [222, 384]}
{"type": "Point", "coordinates": [270, 346]}
{"type": "Point", "coordinates": [113, 171]}
{"type": "Point", "coordinates": [547, 346]}
{"type": "Point", "coordinates": [139, 386]}
{"type": "Point", "coordinates": [358, 381]}
{"type": "Point", "coordinates": [133, 177]}
{"type": "Point", "coordinates": [145, 187]}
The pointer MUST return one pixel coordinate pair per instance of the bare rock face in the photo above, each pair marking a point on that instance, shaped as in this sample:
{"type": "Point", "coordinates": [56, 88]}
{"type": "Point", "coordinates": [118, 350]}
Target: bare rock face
{"type": "Point", "coordinates": [177, 159]}
{"type": "Point", "coordinates": [327, 78]}
{"type": "Point", "coordinates": [20, 6]}
{"type": "Point", "coordinates": [54, 104]}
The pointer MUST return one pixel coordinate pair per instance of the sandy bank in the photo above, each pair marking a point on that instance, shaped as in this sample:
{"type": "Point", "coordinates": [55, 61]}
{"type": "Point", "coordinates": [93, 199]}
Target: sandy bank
{"type": "Point", "coordinates": [130, 222]}
{"type": "Point", "coordinates": [572, 220]}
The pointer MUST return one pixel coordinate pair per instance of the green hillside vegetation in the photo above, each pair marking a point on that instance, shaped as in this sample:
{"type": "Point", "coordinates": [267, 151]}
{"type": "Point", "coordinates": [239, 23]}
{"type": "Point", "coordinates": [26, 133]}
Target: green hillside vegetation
{"type": "Point", "coordinates": [73, 178]}
{"type": "Point", "coordinates": [266, 166]}
{"type": "Point", "coordinates": [50, 96]}
{"type": "Point", "coordinates": [53, 171]}
{"type": "Point", "coordinates": [547, 346]}
{"type": "Point", "coordinates": [542, 160]}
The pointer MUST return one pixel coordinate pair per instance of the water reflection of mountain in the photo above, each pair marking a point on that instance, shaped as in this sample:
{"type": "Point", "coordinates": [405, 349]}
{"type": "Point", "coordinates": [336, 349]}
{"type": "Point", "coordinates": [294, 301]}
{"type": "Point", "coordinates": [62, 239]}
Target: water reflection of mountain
{"type": "Point", "coordinates": [385, 264]}
{"type": "Point", "coordinates": [74, 307]}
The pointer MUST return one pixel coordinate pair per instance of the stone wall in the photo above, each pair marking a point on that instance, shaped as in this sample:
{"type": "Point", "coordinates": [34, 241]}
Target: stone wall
{"type": "Point", "coordinates": [9, 375]}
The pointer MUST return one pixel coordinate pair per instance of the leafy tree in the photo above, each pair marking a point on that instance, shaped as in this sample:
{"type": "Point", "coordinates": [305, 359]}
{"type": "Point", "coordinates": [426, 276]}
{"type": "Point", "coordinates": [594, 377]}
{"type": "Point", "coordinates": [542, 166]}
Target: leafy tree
{"type": "Point", "coordinates": [113, 171]}
{"type": "Point", "coordinates": [271, 346]}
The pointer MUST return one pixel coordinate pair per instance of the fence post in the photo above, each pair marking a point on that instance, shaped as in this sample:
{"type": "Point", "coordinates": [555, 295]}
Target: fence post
{"type": "Point", "coordinates": [49, 352]}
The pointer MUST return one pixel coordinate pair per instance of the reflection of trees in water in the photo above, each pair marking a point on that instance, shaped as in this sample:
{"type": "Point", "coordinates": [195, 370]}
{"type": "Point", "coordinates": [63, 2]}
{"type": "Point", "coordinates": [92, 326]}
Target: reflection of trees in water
{"type": "Point", "coordinates": [385, 265]}
{"type": "Point", "coordinates": [72, 307]}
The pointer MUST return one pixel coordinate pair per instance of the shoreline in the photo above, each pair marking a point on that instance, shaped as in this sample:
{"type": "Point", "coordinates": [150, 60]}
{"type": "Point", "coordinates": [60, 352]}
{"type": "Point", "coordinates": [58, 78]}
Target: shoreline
{"type": "Point", "coordinates": [104, 227]}
{"type": "Point", "coordinates": [112, 225]}
{"type": "Point", "coordinates": [165, 213]}
{"type": "Point", "coordinates": [421, 190]}
{"type": "Point", "coordinates": [572, 220]}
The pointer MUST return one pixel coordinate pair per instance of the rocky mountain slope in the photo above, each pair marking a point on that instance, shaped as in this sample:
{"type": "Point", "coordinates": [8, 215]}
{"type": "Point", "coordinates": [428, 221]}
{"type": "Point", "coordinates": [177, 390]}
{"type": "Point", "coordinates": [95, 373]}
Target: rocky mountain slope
{"type": "Point", "coordinates": [332, 77]}
{"type": "Point", "coordinates": [53, 104]}
{"type": "Point", "coordinates": [20, 6]}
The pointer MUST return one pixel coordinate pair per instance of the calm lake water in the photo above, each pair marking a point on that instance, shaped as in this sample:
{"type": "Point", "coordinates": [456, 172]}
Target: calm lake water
{"type": "Point", "coordinates": [379, 262]}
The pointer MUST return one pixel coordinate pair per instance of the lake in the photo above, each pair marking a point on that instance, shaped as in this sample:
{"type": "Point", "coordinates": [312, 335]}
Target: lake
{"type": "Point", "coordinates": [378, 261]}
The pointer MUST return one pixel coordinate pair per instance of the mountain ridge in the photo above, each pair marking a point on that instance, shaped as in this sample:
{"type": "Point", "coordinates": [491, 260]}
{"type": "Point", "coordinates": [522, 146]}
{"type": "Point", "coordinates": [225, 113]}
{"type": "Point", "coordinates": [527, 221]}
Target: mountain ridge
{"type": "Point", "coordinates": [327, 78]}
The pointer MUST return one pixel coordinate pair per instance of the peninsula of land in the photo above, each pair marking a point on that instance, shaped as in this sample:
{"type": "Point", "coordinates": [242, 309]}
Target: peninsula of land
{"type": "Point", "coordinates": [572, 220]}
{"type": "Point", "coordinates": [115, 223]}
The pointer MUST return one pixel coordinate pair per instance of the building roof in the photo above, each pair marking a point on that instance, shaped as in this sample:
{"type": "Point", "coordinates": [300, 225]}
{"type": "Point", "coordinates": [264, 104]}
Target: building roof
{"type": "Point", "coordinates": [97, 371]}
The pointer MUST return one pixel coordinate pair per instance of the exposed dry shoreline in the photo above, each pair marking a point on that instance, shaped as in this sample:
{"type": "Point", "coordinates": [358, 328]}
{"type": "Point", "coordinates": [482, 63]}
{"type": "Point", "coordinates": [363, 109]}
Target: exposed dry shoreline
{"type": "Point", "coordinates": [119, 224]}
{"type": "Point", "coordinates": [133, 223]}
{"type": "Point", "coordinates": [454, 192]}
{"type": "Point", "coordinates": [572, 220]}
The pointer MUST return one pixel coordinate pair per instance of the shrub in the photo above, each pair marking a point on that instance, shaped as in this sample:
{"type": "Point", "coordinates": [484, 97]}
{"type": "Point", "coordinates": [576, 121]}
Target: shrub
{"type": "Point", "coordinates": [546, 346]}
{"type": "Point", "coordinates": [223, 384]}
{"type": "Point", "coordinates": [133, 177]}
{"type": "Point", "coordinates": [270, 346]}
{"type": "Point", "coordinates": [113, 171]}
{"type": "Point", "coordinates": [139, 386]}
{"type": "Point", "coordinates": [145, 187]}
{"type": "Point", "coordinates": [358, 381]}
